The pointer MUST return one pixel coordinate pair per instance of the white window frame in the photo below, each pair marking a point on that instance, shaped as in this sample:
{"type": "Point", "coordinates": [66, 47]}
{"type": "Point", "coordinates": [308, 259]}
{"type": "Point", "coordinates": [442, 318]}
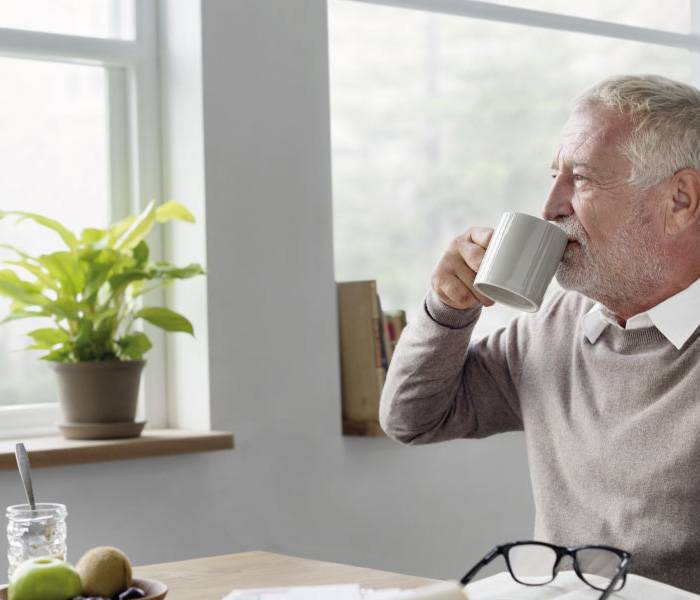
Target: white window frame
{"type": "Point", "coordinates": [134, 171]}
{"type": "Point", "coordinates": [549, 20]}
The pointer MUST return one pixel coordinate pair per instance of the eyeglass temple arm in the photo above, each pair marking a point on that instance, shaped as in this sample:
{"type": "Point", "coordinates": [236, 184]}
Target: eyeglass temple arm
{"type": "Point", "coordinates": [482, 563]}
{"type": "Point", "coordinates": [621, 572]}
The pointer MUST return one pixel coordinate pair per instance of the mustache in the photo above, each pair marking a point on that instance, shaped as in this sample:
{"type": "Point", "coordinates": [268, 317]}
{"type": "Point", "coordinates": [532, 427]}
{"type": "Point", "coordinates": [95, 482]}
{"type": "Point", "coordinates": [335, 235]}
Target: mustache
{"type": "Point", "coordinates": [572, 227]}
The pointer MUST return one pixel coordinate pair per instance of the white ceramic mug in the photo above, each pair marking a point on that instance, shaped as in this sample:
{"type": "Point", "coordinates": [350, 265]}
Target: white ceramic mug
{"type": "Point", "coordinates": [520, 261]}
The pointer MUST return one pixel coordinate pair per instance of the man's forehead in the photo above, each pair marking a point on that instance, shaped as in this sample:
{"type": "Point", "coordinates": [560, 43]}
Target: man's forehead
{"type": "Point", "coordinates": [591, 136]}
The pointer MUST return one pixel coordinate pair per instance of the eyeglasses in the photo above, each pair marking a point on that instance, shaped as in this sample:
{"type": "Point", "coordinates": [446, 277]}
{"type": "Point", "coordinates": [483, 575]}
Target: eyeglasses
{"type": "Point", "coordinates": [537, 563]}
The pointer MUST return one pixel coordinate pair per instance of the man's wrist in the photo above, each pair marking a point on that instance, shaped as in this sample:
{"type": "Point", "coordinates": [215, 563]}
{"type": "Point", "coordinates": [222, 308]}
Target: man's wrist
{"type": "Point", "coordinates": [448, 316]}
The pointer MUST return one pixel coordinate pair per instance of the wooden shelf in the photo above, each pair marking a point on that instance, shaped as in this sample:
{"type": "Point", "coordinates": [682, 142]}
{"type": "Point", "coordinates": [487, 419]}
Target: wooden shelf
{"type": "Point", "coordinates": [54, 451]}
{"type": "Point", "coordinates": [362, 428]}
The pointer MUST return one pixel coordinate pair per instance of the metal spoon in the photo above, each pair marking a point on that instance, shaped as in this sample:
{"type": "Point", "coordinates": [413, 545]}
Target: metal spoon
{"type": "Point", "coordinates": [25, 473]}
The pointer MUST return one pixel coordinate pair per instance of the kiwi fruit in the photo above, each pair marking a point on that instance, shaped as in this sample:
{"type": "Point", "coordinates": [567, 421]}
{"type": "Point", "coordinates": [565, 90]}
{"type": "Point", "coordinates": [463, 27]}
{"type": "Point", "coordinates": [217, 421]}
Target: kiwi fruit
{"type": "Point", "coordinates": [104, 571]}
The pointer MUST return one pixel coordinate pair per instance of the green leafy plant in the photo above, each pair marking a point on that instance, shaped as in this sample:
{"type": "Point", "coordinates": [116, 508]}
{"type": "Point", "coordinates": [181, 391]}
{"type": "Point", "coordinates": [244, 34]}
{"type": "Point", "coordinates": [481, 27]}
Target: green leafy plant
{"type": "Point", "coordinates": [91, 290]}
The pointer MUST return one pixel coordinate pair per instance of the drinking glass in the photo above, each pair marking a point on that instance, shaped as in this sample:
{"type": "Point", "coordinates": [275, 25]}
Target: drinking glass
{"type": "Point", "coordinates": [35, 533]}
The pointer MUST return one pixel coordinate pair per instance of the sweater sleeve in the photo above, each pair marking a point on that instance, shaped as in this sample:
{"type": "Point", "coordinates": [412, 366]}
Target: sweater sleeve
{"type": "Point", "coordinates": [441, 387]}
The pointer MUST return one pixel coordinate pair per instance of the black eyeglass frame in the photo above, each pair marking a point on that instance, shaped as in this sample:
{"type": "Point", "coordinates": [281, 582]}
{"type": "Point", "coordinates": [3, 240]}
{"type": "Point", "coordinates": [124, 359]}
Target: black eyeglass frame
{"type": "Point", "coordinates": [561, 552]}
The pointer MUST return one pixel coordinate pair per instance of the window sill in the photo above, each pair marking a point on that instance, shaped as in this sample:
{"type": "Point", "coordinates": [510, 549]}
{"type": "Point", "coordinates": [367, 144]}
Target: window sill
{"type": "Point", "coordinates": [55, 451]}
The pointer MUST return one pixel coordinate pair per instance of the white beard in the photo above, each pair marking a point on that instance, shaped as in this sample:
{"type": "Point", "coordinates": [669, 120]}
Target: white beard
{"type": "Point", "coordinates": [632, 267]}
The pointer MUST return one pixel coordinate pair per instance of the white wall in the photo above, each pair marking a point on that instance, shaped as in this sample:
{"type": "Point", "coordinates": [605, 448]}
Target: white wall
{"type": "Point", "coordinates": [293, 484]}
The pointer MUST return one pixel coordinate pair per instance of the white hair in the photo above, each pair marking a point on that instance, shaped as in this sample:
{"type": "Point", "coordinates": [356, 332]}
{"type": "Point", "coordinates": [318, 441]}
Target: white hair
{"type": "Point", "coordinates": [666, 123]}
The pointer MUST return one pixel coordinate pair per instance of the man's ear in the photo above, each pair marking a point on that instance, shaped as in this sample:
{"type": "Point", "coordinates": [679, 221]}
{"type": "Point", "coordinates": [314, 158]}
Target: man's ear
{"type": "Point", "coordinates": [682, 207]}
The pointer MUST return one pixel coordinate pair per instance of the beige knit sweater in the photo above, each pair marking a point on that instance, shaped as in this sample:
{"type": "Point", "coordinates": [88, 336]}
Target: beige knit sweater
{"type": "Point", "coordinates": [612, 428]}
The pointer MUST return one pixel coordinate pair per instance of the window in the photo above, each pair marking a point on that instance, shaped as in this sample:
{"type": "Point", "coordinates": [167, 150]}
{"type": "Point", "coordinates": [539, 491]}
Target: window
{"type": "Point", "coordinates": [79, 126]}
{"type": "Point", "coordinates": [96, 18]}
{"type": "Point", "coordinates": [673, 16]}
{"type": "Point", "coordinates": [443, 121]}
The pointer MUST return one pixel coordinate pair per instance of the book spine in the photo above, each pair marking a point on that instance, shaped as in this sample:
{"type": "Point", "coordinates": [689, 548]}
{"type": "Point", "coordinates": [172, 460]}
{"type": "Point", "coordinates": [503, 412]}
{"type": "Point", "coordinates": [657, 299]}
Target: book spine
{"type": "Point", "coordinates": [377, 328]}
{"type": "Point", "coordinates": [384, 350]}
{"type": "Point", "coordinates": [391, 326]}
{"type": "Point", "coordinates": [396, 322]}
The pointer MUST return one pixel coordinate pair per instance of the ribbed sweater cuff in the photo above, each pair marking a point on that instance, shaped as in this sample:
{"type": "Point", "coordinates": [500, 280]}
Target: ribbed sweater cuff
{"type": "Point", "coordinates": [447, 316]}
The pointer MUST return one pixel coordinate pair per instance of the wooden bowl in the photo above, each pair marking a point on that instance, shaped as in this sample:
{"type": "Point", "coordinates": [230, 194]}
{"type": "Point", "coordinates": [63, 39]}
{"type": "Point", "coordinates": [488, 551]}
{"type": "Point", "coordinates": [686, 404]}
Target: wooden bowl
{"type": "Point", "coordinates": [155, 590]}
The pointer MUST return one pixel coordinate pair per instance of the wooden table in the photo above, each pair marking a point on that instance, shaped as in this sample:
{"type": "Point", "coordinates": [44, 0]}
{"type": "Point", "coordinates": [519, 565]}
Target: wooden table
{"type": "Point", "coordinates": [214, 577]}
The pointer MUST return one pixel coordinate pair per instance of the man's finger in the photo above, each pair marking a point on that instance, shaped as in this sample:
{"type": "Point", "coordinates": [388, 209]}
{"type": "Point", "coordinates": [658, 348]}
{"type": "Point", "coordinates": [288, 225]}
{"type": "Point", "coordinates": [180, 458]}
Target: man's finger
{"type": "Point", "coordinates": [466, 276]}
{"type": "Point", "coordinates": [481, 236]}
{"type": "Point", "coordinates": [454, 293]}
{"type": "Point", "coordinates": [471, 255]}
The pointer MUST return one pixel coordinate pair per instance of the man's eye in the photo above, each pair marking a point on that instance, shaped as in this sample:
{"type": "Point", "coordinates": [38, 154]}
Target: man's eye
{"type": "Point", "coordinates": [578, 178]}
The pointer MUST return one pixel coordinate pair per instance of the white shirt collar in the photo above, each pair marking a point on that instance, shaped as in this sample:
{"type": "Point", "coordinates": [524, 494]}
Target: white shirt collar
{"type": "Point", "coordinates": [676, 318]}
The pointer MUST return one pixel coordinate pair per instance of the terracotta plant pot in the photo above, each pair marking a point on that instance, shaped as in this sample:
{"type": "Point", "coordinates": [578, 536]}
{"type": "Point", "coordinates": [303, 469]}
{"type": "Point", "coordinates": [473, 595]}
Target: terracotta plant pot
{"type": "Point", "coordinates": [95, 394]}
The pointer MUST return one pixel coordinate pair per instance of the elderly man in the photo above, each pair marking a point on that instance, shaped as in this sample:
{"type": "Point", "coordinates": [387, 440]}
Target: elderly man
{"type": "Point", "coordinates": [605, 378]}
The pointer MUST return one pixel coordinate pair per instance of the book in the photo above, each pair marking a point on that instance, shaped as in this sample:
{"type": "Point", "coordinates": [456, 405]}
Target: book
{"type": "Point", "coordinates": [385, 340]}
{"type": "Point", "coordinates": [361, 371]}
{"type": "Point", "coordinates": [396, 322]}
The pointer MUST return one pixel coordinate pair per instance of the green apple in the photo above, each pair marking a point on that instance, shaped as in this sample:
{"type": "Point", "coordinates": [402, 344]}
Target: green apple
{"type": "Point", "coordinates": [45, 578]}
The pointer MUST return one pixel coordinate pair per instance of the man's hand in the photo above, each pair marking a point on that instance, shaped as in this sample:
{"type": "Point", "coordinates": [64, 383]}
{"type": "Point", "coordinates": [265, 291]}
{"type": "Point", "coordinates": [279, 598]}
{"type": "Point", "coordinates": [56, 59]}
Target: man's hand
{"type": "Point", "coordinates": [453, 277]}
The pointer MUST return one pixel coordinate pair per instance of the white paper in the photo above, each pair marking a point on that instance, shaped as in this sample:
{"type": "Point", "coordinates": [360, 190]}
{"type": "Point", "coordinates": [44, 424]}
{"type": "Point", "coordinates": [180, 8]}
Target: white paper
{"type": "Point", "coordinates": [350, 591]}
{"type": "Point", "coordinates": [437, 591]}
{"type": "Point", "coordinates": [319, 592]}
{"type": "Point", "coordinates": [443, 590]}
{"type": "Point", "coordinates": [567, 586]}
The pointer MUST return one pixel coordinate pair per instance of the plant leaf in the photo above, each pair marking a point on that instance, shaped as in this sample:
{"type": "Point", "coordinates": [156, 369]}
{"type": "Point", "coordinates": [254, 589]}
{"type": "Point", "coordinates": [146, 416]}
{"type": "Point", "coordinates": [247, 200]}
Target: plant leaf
{"type": "Point", "coordinates": [65, 267]}
{"type": "Point", "coordinates": [141, 253]}
{"type": "Point", "coordinates": [173, 210]}
{"type": "Point", "coordinates": [111, 257]}
{"type": "Point", "coordinates": [96, 276]}
{"type": "Point", "coordinates": [24, 291]}
{"type": "Point", "coordinates": [66, 235]}
{"type": "Point", "coordinates": [62, 355]}
{"type": "Point", "coordinates": [105, 320]}
{"type": "Point", "coordinates": [127, 277]}
{"type": "Point", "coordinates": [135, 345]}
{"type": "Point", "coordinates": [35, 270]}
{"type": "Point", "coordinates": [138, 230]}
{"type": "Point", "coordinates": [87, 346]}
{"type": "Point", "coordinates": [165, 273]}
{"type": "Point", "coordinates": [90, 235]}
{"type": "Point", "coordinates": [143, 290]}
{"type": "Point", "coordinates": [18, 251]}
{"type": "Point", "coordinates": [165, 319]}
{"type": "Point", "coordinates": [164, 270]}
{"type": "Point", "coordinates": [64, 308]}
{"type": "Point", "coordinates": [17, 314]}
{"type": "Point", "coordinates": [117, 229]}
{"type": "Point", "coordinates": [49, 335]}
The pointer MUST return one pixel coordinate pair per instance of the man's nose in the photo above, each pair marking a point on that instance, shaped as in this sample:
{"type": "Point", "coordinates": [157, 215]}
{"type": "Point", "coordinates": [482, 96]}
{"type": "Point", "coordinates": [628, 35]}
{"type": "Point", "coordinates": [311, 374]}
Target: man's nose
{"type": "Point", "coordinates": [558, 202]}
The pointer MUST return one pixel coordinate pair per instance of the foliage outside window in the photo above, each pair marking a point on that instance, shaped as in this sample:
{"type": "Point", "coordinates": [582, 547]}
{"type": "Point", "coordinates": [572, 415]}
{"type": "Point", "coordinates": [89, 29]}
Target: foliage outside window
{"type": "Point", "coordinates": [442, 122]}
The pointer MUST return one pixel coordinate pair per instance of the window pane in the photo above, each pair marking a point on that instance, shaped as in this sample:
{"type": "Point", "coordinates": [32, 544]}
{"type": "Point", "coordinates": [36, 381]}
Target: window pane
{"type": "Point", "coordinates": [438, 125]}
{"type": "Point", "coordinates": [672, 15]}
{"type": "Point", "coordinates": [53, 154]}
{"type": "Point", "coordinates": [92, 18]}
